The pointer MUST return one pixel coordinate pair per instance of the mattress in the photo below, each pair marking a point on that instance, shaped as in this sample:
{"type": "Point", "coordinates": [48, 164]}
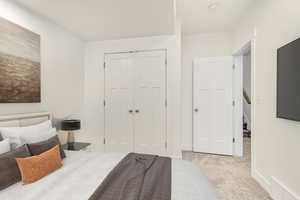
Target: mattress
{"type": "Point", "coordinates": [83, 172]}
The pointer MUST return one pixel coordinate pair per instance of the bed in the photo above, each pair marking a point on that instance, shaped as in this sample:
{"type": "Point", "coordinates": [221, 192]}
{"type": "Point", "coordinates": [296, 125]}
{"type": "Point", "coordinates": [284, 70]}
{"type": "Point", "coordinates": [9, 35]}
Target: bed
{"type": "Point", "coordinates": [83, 172]}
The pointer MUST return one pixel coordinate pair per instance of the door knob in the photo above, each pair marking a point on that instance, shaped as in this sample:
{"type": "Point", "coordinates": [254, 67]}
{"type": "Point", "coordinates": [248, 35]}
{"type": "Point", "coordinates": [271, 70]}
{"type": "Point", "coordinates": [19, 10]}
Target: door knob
{"type": "Point", "coordinates": [130, 111]}
{"type": "Point", "coordinates": [196, 110]}
{"type": "Point", "coordinates": [137, 111]}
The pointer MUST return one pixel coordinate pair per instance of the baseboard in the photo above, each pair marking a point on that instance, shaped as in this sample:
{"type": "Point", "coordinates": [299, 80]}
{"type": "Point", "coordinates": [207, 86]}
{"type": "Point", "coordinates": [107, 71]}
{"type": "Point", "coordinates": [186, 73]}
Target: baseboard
{"type": "Point", "coordinates": [186, 147]}
{"type": "Point", "coordinates": [262, 180]}
{"type": "Point", "coordinates": [279, 191]}
{"type": "Point", "coordinates": [176, 157]}
{"type": "Point", "coordinates": [275, 188]}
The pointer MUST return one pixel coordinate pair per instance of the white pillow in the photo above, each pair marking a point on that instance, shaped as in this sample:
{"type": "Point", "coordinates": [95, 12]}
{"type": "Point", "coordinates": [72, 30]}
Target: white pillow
{"type": "Point", "coordinates": [35, 137]}
{"type": "Point", "coordinates": [4, 146]}
{"type": "Point", "coordinates": [14, 133]}
{"type": "Point", "coordinates": [41, 126]}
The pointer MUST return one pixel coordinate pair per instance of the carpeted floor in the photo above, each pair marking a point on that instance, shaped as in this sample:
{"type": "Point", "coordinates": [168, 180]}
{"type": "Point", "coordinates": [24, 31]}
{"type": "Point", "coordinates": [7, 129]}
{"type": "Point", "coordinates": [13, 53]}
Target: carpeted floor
{"type": "Point", "coordinates": [230, 175]}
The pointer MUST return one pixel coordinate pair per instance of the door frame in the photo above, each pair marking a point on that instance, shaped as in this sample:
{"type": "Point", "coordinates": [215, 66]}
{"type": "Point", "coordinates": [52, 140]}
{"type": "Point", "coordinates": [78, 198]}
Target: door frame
{"type": "Point", "coordinates": [166, 89]}
{"type": "Point", "coordinates": [251, 44]}
{"type": "Point", "coordinates": [207, 59]}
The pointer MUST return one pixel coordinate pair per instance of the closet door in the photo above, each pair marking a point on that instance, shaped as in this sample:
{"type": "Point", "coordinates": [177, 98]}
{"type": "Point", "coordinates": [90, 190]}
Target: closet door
{"type": "Point", "coordinates": [149, 102]}
{"type": "Point", "coordinates": [119, 103]}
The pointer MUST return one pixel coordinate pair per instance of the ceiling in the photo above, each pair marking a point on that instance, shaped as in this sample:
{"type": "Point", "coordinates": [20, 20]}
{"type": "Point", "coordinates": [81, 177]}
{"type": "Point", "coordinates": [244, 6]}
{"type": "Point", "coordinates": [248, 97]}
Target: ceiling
{"type": "Point", "coordinates": [108, 19]}
{"type": "Point", "coordinates": [196, 17]}
{"type": "Point", "coordinates": [114, 19]}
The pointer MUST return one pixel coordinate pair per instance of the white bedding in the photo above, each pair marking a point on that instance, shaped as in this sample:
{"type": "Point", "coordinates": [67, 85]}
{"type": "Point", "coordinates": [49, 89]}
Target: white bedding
{"type": "Point", "coordinates": [82, 172]}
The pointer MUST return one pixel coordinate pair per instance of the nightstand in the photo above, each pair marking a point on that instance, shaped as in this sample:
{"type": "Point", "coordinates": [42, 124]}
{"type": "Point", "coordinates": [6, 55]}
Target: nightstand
{"type": "Point", "coordinates": [76, 146]}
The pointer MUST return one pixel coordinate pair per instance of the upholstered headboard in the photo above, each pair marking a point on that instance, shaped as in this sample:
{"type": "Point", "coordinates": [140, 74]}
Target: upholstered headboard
{"type": "Point", "coordinates": [19, 120]}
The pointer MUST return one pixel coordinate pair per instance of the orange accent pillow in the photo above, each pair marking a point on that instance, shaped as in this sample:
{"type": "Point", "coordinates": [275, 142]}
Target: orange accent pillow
{"type": "Point", "coordinates": [36, 167]}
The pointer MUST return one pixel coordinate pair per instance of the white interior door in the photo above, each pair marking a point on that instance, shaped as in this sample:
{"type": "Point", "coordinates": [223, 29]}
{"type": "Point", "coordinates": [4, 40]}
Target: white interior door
{"type": "Point", "coordinates": [213, 105]}
{"type": "Point", "coordinates": [135, 96]}
{"type": "Point", "coordinates": [149, 102]}
{"type": "Point", "coordinates": [119, 103]}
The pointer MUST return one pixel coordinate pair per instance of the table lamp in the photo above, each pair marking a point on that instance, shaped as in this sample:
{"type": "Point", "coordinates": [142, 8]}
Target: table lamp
{"type": "Point", "coordinates": [70, 125]}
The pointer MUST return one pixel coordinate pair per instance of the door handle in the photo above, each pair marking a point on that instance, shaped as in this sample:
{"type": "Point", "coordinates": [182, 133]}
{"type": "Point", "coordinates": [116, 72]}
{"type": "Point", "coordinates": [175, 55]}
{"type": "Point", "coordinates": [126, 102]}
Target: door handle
{"type": "Point", "coordinates": [130, 111]}
{"type": "Point", "coordinates": [137, 111]}
{"type": "Point", "coordinates": [196, 110]}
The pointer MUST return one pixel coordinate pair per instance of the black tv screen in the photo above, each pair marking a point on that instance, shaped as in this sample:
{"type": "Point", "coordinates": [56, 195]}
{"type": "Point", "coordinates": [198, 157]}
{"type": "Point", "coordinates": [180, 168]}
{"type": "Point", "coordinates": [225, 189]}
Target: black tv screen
{"type": "Point", "coordinates": [288, 81]}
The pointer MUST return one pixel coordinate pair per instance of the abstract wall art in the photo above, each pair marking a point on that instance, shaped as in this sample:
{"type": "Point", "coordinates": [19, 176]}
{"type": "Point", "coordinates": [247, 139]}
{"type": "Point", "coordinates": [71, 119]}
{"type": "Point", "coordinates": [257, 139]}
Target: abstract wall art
{"type": "Point", "coordinates": [20, 68]}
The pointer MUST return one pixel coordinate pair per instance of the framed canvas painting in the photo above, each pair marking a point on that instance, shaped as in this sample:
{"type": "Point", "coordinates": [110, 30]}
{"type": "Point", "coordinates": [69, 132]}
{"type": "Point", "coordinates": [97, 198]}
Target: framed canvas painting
{"type": "Point", "coordinates": [20, 68]}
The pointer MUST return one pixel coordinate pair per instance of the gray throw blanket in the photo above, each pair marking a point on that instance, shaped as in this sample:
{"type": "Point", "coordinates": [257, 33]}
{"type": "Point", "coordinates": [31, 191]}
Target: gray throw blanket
{"type": "Point", "coordinates": [137, 177]}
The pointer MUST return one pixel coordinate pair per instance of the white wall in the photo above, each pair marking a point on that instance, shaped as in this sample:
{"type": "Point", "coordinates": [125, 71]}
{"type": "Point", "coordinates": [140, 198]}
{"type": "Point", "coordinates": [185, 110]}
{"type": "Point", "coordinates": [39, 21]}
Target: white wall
{"type": "Point", "coordinates": [272, 23]}
{"type": "Point", "coordinates": [94, 85]}
{"type": "Point", "coordinates": [61, 64]}
{"type": "Point", "coordinates": [247, 87]}
{"type": "Point", "coordinates": [197, 46]}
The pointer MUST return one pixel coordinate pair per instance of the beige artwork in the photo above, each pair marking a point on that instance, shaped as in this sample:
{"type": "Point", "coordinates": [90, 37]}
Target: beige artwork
{"type": "Point", "coordinates": [20, 68]}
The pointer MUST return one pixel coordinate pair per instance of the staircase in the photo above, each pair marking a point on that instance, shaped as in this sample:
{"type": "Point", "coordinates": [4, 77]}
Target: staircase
{"type": "Point", "coordinates": [246, 118]}
{"type": "Point", "coordinates": [246, 131]}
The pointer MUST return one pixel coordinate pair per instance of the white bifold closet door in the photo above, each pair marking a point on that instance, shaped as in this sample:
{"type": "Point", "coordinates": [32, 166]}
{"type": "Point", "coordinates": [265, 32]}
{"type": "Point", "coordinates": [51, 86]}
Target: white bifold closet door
{"type": "Point", "coordinates": [118, 103]}
{"type": "Point", "coordinates": [135, 95]}
{"type": "Point", "coordinates": [213, 105]}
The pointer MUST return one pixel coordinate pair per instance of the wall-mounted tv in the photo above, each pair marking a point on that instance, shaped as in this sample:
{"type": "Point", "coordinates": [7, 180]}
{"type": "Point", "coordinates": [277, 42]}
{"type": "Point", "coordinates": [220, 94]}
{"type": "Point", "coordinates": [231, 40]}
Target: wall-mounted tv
{"type": "Point", "coordinates": [288, 81]}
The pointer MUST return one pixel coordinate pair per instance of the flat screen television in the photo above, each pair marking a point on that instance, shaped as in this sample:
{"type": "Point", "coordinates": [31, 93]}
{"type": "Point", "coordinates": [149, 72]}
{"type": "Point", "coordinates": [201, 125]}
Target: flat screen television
{"type": "Point", "coordinates": [288, 81]}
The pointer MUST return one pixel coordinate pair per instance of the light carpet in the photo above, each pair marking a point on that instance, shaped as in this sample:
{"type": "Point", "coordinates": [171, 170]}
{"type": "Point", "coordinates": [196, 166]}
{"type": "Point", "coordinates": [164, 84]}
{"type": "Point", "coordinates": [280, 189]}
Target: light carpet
{"type": "Point", "coordinates": [230, 175]}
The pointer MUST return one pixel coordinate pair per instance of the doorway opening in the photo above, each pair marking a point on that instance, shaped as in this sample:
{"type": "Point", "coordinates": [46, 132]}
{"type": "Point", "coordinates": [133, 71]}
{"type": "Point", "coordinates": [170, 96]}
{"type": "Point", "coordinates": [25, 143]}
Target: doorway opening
{"type": "Point", "coordinates": [247, 105]}
{"type": "Point", "coordinates": [243, 86]}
